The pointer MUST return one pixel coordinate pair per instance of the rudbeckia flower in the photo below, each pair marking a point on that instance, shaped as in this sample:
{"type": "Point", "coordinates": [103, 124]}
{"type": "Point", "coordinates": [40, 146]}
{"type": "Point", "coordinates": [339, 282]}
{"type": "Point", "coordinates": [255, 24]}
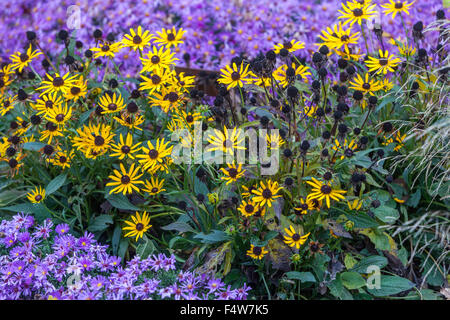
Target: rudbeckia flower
{"type": "Point", "coordinates": [37, 195]}
{"type": "Point", "coordinates": [22, 60]}
{"type": "Point", "coordinates": [138, 226]}
{"type": "Point", "coordinates": [256, 252]}
{"type": "Point", "coordinates": [125, 181]}
{"type": "Point", "coordinates": [294, 239]}
{"type": "Point", "coordinates": [322, 191]}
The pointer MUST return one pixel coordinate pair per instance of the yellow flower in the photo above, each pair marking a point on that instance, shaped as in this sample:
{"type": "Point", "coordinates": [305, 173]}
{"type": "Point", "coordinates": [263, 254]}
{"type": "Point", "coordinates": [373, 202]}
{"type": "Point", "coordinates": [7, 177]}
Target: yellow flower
{"type": "Point", "coordinates": [154, 186]}
{"type": "Point", "coordinates": [93, 140]}
{"type": "Point", "coordinates": [22, 60]}
{"type": "Point", "coordinates": [347, 148]}
{"type": "Point", "coordinates": [51, 131]}
{"type": "Point", "coordinates": [107, 49]}
{"type": "Point", "coordinates": [291, 46]}
{"type": "Point", "coordinates": [294, 239]}
{"type": "Point", "coordinates": [394, 7]}
{"type": "Point", "coordinates": [304, 207]}
{"type": "Point", "coordinates": [227, 142]}
{"type": "Point", "coordinates": [355, 205]}
{"type": "Point", "coordinates": [248, 208]}
{"type": "Point", "coordinates": [234, 76]}
{"type": "Point", "coordinates": [383, 64]}
{"type": "Point", "coordinates": [78, 89]}
{"type": "Point", "coordinates": [37, 195]}
{"type": "Point", "coordinates": [154, 156]}
{"type": "Point", "coordinates": [355, 12]}
{"type": "Point", "coordinates": [137, 40]}
{"type": "Point", "coordinates": [111, 104]}
{"type": "Point", "coordinates": [131, 122]}
{"type": "Point", "coordinates": [57, 83]}
{"type": "Point", "coordinates": [399, 200]}
{"type": "Point", "coordinates": [62, 159]}
{"type": "Point", "coordinates": [274, 141]}
{"type": "Point", "coordinates": [169, 98]}
{"type": "Point", "coordinates": [158, 59]}
{"type": "Point", "coordinates": [232, 173]}
{"type": "Point", "coordinates": [336, 37]}
{"type": "Point", "coordinates": [322, 191]}
{"type": "Point", "coordinates": [7, 104]}
{"type": "Point", "coordinates": [46, 103]}
{"type": "Point", "coordinates": [156, 82]}
{"type": "Point", "coordinates": [138, 226]}
{"type": "Point", "coordinates": [281, 76]}
{"type": "Point", "coordinates": [365, 85]}
{"type": "Point", "coordinates": [257, 252]}
{"type": "Point", "coordinates": [266, 193]}
{"type": "Point", "coordinates": [125, 181]}
{"type": "Point", "coordinates": [125, 148]}
{"type": "Point", "coordinates": [59, 114]}
{"type": "Point", "coordinates": [170, 37]}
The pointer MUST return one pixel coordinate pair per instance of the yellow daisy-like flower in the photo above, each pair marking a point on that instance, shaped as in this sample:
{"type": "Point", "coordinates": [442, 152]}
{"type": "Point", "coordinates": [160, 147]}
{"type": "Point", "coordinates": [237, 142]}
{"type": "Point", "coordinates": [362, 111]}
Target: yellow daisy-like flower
{"type": "Point", "coordinates": [386, 85]}
{"type": "Point", "coordinates": [125, 181]}
{"type": "Point", "coordinates": [248, 208]}
{"type": "Point", "coordinates": [336, 37]}
{"type": "Point", "coordinates": [399, 139]}
{"type": "Point", "coordinates": [281, 76]}
{"type": "Point", "coordinates": [169, 98]}
{"type": "Point", "coordinates": [170, 37]}
{"type": "Point", "coordinates": [94, 140]}
{"type": "Point", "coordinates": [131, 122]}
{"type": "Point", "coordinates": [37, 195]}
{"type": "Point", "coordinates": [156, 82]}
{"type": "Point", "coordinates": [111, 104]}
{"type": "Point", "coordinates": [355, 204]}
{"type": "Point", "coordinates": [125, 147]}
{"type": "Point", "coordinates": [403, 48]}
{"type": "Point", "coordinates": [7, 104]}
{"type": "Point", "coordinates": [57, 83]}
{"type": "Point", "coordinates": [263, 82]}
{"type": "Point", "coordinates": [290, 46]}
{"type": "Point", "coordinates": [51, 131]}
{"type": "Point", "coordinates": [322, 191]}
{"type": "Point", "coordinates": [154, 156]}
{"type": "Point", "coordinates": [62, 159]}
{"type": "Point", "coordinates": [304, 207]}
{"type": "Point", "coordinates": [77, 90]}
{"type": "Point", "coordinates": [274, 140]}
{"type": "Point", "coordinates": [347, 148]}
{"type": "Point", "coordinates": [383, 64]}
{"type": "Point", "coordinates": [257, 252]}
{"type": "Point", "coordinates": [266, 193]}
{"type": "Point", "coordinates": [138, 226]}
{"type": "Point", "coordinates": [5, 76]}
{"type": "Point", "coordinates": [294, 239]}
{"type": "Point", "coordinates": [59, 114]}
{"type": "Point", "coordinates": [154, 186]}
{"type": "Point", "coordinates": [107, 49]}
{"type": "Point", "coordinates": [226, 141]}
{"type": "Point", "coordinates": [394, 7]}
{"type": "Point", "coordinates": [183, 82]}
{"type": "Point", "coordinates": [235, 77]}
{"type": "Point", "coordinates": [22, 60]}
{"type": "Point", "coordinates": [137, 40]}
{"type": "Point", "coordinates": [232, 173]}
{"type": "Point", "coordinates": [356, 13]}
{"type": "Point", "coordinates": [365, 85]}
{"type": "Point", "coordinates": [47, 102]}
{"type": "Point", "coordinates": [158, 59]}
{"type": "Point", "coordinates": [186, 119]}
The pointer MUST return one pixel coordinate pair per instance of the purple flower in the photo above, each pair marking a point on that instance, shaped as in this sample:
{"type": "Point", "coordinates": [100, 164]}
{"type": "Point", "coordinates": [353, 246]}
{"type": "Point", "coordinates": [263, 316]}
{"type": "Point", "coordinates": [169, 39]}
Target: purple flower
{"type": "Point", "coordinates": [62, 228]}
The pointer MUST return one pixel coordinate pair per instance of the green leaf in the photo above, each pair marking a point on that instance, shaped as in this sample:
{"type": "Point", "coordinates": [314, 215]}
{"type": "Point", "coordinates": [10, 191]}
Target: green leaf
{"type": "Point", "coordinates": [179, 226]}
{"type": "Point", "coordinates": [55, 184]}
{"type": "Point", "coordinates": [349, 261]}
{"type": "Point", "coordinates": [413, 201]}
{"type": "Point", "coordinates": [338, 290]}
{"type": "Point", "coordinates": [116, 238]}
{"type": "Point", "coordinates": [100, 223]}
{"type": "Point", "coordinates": [213, 237]}
{"type": "Point", "coordinates": [362, 220]}
{"type": "Point", "coordinates": [145, 249]}
{"type": "Point", "coordinates": [33, 146]}
{"type": "Point", "coordinates": [386, 214]}
{"type": "Point", "coordinates": [37, 209]}
{"type": "Point", "coordinates": [363, 264]}
{"type": "Point", "coordinates": [390, 285]}
{"type": "Point", "coordinates": [119, 201]}
{"type": "Point", "coordinates": [302, 276]}
{"type": "Point", "coordinates": [352, 280]}
{"type": "Point", "coordinates": [123, 247]}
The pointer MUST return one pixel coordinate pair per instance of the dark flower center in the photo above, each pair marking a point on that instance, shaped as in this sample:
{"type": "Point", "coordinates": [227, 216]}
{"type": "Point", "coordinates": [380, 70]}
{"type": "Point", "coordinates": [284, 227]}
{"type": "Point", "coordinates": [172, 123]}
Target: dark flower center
{"type": "Point", "coordinates": [295, 237]}
{"type": "Point", "coordinates": [75, 90]}
{"type": "Point", "coordinates": [125, 149]}
{"type": "Point", "coordinates": [49, 104]}
{"type": "Point", "coordinates": [24, 57]}
{"type": "Point", "coordinates": [112, 107]}
{"type": "Point", "coordinates": [249, 208]}
{"type": "Point", "coordinates": [62, 159]}
{"type": "Point", "coordinates": [137, 40]}
{"type": "Point", "coordinates": [287, 45]}
{"type": "Point", "coordinates": [99, 141]}
{"type": "Point", "coordinates": [155, 190]}
{"type": "Point", "coordinates": [189, 118]}
{"type": "Point", "coordinates": [366, 86]}
{"type": "Point", "coordinates": [257, 251]}
{"type": "Point", "coordinates": [383, 62]}
{"type": "Point", "coordinates": [38, 197]}
{"type": "Point", "coordinates": [155, 59]}
{"type": "Point", "coordinates": [173, 97]}
{"type": "Point", "coordinates": [398, 5]}
{"type": "Point", "coordinates": [59, 117]}
{"type": "Point", "coordinates": [235, 76]}
{"type": "Point", "coordinates": [227, 143]}
{"type": "Point", "coordinates": [50, 126]}
{"type": "Point", "coordinates": [358, 12]}
{"type": "Point", "coordinates": [58, 82]}
{"type": "Point", "coordinates": [125, 179]}
{"type": "Point", "coordinates": [232, 172]}
{"type": "Point", "coordinates": [267, 194]}
{"type": "Point", "coordinates": [105, 48]}
{"type": "Point", "coordinates": [325, 189]}
{"type": "Point", "coordinates": [13, 163]}
{"type": "Point", "coordinates": [170, 36]}
{"type": "Point", "coordinates": [348, 153]}
{"type": "Point", "coordinates": [153, 154]}
{"type": "Point", "coordinates": [156, 79]}
{"type": "Point", "coordinates": [345, 38]}
{"type": "Point", "coordinates": [304, 206]}
{"type": "Point", "coordinates": [139, 227]}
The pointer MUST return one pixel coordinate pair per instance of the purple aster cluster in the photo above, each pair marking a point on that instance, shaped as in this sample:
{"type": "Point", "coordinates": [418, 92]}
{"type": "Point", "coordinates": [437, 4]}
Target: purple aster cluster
{"type": "Point", "coordinates": [43, 261]}
{"type": "Point", "coordinates": [216, 31]}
